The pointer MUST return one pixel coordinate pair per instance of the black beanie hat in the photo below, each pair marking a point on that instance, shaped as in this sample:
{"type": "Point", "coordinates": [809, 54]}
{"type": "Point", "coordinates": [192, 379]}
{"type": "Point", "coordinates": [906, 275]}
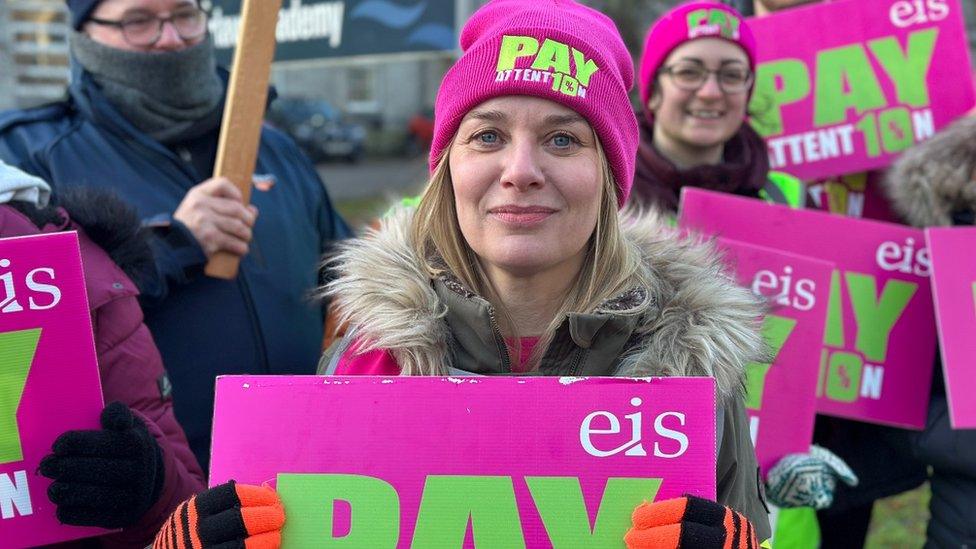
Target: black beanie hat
{"type": "Point", "coordinates": [80, 10]}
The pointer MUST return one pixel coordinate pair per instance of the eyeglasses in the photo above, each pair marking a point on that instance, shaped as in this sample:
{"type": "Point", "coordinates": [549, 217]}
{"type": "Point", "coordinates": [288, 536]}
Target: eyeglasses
{"type": "Point", "coordinates": [691, 77]}
{"type": "Point", "coordinates": [145, 30]}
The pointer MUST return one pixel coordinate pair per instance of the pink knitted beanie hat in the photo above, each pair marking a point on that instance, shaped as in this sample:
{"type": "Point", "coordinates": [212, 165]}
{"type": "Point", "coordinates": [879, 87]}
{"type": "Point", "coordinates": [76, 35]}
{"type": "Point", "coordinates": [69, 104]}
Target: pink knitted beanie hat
{"type": "Point", "coordinates": [554, 49]}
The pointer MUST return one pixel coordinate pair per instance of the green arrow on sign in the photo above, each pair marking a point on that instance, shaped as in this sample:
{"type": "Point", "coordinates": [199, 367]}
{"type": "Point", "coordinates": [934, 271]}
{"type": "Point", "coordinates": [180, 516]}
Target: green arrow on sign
{"type": "Point", "coordinates": [16, 354]}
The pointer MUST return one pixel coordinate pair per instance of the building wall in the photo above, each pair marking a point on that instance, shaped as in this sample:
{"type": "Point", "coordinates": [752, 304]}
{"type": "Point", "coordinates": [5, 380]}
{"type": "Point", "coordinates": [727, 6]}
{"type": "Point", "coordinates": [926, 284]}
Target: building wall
{"type": "Point", "coordinates": [7, 77]}
{"type": "Point", "coordinates": [33, 52]}
{"type": "Point", "coordinates": [383, 90]}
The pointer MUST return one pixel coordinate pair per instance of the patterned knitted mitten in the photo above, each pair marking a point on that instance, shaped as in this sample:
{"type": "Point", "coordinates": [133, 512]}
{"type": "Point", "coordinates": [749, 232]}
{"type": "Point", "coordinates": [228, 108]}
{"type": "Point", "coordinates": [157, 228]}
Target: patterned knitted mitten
{"type": "Point", "coordinates": [808, 480]}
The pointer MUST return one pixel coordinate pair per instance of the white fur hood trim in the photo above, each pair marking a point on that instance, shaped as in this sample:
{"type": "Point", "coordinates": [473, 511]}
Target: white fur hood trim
{"type": "Point", "coordinates": [698, 323]}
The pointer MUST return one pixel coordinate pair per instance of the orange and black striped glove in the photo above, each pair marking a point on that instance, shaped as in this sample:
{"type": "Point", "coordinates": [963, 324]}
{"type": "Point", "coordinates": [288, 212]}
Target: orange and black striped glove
{"type": "Point", "coordinates": [228, 516]}
{"type": "Point", "coordinates": [689, 522]}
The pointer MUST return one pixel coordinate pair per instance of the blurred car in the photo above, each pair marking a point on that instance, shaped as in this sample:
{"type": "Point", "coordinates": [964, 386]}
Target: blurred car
{"type": "Point", "coordinates": [318, 128]}
{"type": "Point", "coordinates": [420, 132]}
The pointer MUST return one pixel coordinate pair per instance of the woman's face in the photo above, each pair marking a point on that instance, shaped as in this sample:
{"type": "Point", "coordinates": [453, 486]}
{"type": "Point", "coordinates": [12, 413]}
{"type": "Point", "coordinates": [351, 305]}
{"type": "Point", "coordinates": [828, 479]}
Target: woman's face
{"type": "Point", "coordinates": [706, 117]}
{"type": "Point", "coordinates": [527, 184]}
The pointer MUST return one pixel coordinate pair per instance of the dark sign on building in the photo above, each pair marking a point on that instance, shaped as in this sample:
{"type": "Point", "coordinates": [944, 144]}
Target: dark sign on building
{"type": "Point", "coordinates": [314, 29]}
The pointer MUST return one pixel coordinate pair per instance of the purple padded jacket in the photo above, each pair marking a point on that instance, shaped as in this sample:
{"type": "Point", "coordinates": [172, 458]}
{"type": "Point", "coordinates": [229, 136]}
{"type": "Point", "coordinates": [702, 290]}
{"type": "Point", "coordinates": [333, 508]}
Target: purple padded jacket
{"type": "Point", "coordinates": [131, 372]}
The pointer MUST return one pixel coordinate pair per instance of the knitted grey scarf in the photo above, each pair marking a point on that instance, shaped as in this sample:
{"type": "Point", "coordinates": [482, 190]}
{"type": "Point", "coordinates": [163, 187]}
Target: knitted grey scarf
{"type": "Point", "coordinates": [171, 96]}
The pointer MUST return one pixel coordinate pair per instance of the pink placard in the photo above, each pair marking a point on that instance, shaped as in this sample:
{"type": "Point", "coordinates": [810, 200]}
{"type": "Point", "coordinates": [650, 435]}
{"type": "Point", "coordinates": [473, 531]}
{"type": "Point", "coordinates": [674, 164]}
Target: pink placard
{"type": "Point", "coordinates": [844, 87]}
{"type": "Point", "coordinates": [48, 378]}
{"type": "Point", "coordinates": [954, 290]}
{"type": "Point", "coordinates": [781, 398]}
{"type": "Point", "coordinates": [879, 338]}
{"type": "Point", "coordinates": [546, 453]}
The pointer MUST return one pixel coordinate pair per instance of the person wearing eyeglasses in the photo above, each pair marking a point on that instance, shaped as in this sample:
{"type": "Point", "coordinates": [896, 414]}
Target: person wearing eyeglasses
{"type": "Point", "coordinates": [142, 118]}
{"type": "Point", "coordinates": [696, 78]}
{"type": "Point", "coordinates": [142, 29]}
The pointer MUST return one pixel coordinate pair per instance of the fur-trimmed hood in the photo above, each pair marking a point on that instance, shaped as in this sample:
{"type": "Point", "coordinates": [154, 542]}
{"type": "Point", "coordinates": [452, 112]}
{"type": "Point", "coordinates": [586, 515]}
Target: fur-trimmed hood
{"type": "Point", "coordinates": [936, 178]}
{"type": "Point", "coordinates": [696, 322]}
{"type": "Point", "coordinates": [107, 220]}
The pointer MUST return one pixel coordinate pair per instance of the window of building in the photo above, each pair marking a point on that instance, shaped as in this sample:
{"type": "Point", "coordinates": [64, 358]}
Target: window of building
{"type": "Point", "coordinates": [35, 36]}
{"type": "Point", "coordinates": [361, 92]}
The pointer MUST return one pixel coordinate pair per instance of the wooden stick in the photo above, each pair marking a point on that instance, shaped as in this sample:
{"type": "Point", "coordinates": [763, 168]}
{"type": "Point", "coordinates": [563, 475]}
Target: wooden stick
{"type": "Point", "coordinates": [247, 96]}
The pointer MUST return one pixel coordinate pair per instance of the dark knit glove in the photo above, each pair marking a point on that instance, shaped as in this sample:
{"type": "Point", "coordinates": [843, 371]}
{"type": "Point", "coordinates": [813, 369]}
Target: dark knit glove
{"type": "Point", "coordinates": [107, 478]}
{"type": "Point", "coordinates": [689, 522]}
{"type": "Point", "coordinates": [228, 516]}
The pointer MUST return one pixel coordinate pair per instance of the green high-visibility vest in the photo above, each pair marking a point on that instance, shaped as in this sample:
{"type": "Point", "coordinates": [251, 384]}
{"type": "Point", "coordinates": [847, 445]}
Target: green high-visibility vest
{"type": "Point", "coordinates": [783, 188]}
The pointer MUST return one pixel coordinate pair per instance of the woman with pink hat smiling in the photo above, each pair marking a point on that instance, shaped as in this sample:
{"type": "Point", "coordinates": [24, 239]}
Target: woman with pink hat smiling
{"type": "Point", "coordinates": [696, 78]}
{"type": "Point", "coordinates": [517, 260]}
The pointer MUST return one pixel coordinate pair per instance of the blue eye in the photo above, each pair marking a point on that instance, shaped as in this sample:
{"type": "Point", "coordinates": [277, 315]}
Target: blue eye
{"type": "Point", "coordinates": [562, 141]}
{"type": "Point", "coordinates": [488, 138]}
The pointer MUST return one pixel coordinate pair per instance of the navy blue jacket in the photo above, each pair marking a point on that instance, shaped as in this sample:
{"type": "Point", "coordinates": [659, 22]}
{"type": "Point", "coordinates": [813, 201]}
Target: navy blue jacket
{"type": "Point", "coordinates": [261, 323]}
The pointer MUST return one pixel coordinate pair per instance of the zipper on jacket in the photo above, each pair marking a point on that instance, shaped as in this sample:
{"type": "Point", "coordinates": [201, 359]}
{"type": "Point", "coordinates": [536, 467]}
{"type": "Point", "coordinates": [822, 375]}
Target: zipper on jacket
{"type": "Point", "coordinates": [499, 340]}
{"type": "Point", "coordinates": [577, 363]}
{"type": "Point", "coordinates": [255, 322]}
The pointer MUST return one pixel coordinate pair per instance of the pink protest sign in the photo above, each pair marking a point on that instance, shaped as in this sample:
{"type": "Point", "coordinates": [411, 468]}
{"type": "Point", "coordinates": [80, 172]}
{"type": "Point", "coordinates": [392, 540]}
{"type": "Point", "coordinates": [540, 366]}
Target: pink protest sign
{"type": "Point", "coordinates": [48, 378]}
{"type": "Point", "coordinates": [781, 398]}
{"type": "Point", "coordinates": [844, 87]}
{"type": "Point", "coordinates": [954, 289]}
{"type": "Point", "coordinates": [879, 338]}
{"type": "Point", "coordinates": [405, 461]}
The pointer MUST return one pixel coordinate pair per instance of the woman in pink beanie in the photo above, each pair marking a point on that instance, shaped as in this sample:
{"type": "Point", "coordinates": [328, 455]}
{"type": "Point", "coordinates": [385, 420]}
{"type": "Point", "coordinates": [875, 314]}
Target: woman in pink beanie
{"type": "Point", "coordinates": [696, 77]}
{"type": "Point", "coordinates": [517, 261]}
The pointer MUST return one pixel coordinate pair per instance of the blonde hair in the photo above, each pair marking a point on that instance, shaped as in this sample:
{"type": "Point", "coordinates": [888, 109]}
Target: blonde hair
{"type": "Point", "coordinates": [611, 264]}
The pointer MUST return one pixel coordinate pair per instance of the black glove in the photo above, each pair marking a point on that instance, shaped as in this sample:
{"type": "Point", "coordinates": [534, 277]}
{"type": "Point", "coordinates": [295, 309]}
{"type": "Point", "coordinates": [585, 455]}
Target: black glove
{"type": "Point", "coordinates": [107, 478]}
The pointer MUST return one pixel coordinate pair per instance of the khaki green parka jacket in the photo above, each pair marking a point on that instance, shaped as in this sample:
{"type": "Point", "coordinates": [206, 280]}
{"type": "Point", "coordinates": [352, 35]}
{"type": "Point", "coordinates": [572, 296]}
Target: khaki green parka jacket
{"type": "Point", "coordinates": [689, 320]}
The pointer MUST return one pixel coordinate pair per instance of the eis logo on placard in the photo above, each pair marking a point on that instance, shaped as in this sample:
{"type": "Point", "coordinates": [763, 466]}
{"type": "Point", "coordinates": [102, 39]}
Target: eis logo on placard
{"type": "Point", "coordinates": [43, 295]}
{"type": "Point", "coordinates": [564, 68]}
{"type": "Point", "coordinates": [781, 289]}
{"type": "Point", "coordinates": [917, 12]}
{"type": "Point", "coordinates": [904, 258]}
{"type": "Point", "coordinates": [600, 434]}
